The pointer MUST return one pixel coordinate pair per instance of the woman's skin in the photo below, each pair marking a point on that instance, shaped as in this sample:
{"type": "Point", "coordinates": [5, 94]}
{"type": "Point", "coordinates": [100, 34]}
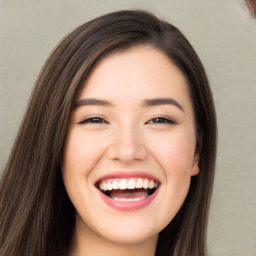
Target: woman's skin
{"type": "Point", "coordinates": [134, 119]}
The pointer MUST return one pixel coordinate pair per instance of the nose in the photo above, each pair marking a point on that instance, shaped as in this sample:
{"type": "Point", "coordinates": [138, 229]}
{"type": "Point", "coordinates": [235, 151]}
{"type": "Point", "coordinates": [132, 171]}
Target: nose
{"type": "Point", "coordinates": [127, 146]}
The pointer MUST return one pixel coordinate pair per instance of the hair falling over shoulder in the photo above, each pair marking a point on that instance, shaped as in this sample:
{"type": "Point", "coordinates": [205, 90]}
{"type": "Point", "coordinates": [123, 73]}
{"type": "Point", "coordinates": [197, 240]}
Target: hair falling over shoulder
{"type": "Point", "coordinates": [37, 217]}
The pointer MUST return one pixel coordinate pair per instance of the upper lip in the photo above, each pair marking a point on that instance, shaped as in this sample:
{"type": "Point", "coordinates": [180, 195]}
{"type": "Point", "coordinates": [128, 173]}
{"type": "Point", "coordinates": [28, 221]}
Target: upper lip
{"type": "Point", "coordinates": [127, 175]}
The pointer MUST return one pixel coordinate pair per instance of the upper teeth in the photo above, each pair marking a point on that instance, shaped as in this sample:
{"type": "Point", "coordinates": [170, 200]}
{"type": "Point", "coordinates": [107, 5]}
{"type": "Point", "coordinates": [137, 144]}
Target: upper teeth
{"type": "Point", "coordinates": [131, 183]}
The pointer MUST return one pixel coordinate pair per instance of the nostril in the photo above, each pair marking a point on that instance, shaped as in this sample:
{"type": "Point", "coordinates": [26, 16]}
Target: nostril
{"type": "Point", "coordinates": [127, 153]}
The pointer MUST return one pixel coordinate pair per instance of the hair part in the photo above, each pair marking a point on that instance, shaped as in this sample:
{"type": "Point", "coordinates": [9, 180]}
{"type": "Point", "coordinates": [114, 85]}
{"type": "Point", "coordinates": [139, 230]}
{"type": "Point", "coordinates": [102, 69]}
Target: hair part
{"type": "Point", "coordinates": [37, 217]}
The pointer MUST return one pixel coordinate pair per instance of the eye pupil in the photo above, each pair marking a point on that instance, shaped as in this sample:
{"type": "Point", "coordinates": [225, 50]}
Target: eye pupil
{"type": "Point", "coordinates": [160, 120]}
{"type": "Point", "coordinates": [94, 120]}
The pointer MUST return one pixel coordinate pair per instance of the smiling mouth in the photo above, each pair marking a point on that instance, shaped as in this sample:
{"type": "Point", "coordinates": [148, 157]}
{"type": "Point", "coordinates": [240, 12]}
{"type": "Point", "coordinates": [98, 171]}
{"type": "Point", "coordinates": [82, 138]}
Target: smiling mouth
{"type": "Point", "coordinates": [128, 190]}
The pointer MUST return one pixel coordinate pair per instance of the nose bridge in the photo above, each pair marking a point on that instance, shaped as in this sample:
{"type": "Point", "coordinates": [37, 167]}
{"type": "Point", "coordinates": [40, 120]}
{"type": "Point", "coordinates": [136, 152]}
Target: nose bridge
{"type": "Point", "coordinates": [127, 144]}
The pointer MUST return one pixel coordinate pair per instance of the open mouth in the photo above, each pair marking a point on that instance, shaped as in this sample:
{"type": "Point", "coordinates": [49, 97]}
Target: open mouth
{"type": "Point", "coordinates": [128, 190]}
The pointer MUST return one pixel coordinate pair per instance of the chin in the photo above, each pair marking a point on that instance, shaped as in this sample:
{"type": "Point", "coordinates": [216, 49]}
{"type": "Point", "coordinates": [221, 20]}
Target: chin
{"type": "Point", "coordinates": [129, 236]}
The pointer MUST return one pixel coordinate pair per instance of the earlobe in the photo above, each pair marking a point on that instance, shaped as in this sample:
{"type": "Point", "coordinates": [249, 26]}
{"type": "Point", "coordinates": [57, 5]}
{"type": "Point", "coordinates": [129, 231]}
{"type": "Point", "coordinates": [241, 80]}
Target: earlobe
{"type": "Point", "coordinates": [195, 168]}
{"type": "Point", "coordinates": [195, 171]}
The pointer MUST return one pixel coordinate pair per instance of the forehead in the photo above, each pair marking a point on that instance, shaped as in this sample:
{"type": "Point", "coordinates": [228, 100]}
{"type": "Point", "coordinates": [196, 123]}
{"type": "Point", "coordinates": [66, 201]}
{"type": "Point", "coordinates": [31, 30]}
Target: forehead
{"type": "Point", "coordinates": [135, 73]}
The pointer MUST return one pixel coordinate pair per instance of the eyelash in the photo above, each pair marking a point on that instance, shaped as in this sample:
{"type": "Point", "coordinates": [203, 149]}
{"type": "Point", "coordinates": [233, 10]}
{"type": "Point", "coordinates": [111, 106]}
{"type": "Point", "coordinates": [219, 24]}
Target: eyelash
{"type": "Point", "coordinates": [94, 120]}
{"type": "Point", "coordinates": [156, 120]}
{"type": "Point", "coordinates": [161, 120]}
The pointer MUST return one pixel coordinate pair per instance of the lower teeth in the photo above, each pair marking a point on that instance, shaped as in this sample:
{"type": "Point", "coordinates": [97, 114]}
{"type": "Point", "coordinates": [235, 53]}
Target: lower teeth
{"type": "Point", "coordinates": [128, 199]}
{"type": "Point", "coordinates": [129, 195]}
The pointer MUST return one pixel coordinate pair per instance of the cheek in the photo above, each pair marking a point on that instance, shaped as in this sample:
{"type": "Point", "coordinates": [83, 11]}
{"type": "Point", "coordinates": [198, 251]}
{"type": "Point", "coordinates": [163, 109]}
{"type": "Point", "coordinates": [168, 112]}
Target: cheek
{"type": "Point", "coordinates": [175, 156]}
{"type": "Point", "coordinates": [175, 153]}
{"type": "Point", "coordinates": [81, 151]}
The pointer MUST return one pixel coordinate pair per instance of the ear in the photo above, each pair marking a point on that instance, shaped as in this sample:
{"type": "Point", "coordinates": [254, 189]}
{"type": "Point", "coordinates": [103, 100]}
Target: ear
{"type": "Point", "coordinates": [195, 169]}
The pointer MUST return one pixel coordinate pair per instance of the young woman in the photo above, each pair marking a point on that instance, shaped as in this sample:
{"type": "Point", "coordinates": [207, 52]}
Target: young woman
{"type": "Point", "coordinates": [116, 152]}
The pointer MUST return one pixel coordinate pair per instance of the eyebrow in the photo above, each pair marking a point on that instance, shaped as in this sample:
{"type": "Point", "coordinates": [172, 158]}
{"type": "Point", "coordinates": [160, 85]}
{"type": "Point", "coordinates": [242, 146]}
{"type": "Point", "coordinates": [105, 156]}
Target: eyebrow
{"type": "Point", "coordinates": [146, 103]}
{"type": "Point", "coordinates": [86, 102]}
{"type": "Point", "coordinates": [162, 101]}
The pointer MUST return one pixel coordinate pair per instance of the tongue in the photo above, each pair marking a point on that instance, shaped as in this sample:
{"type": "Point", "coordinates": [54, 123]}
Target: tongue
{"type": "Point", "coordinates": [128, 193]}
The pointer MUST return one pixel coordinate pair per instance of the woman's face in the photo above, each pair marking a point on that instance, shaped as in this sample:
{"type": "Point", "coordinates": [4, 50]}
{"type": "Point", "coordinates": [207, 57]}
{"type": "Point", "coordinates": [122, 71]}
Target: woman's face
{"type": "Point", "coordinates": [131, 147]}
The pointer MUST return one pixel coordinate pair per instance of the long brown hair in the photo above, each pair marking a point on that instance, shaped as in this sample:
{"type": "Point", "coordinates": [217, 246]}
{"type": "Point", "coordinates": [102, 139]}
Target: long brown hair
{"type": "Point", "coordinates": [37, 217]}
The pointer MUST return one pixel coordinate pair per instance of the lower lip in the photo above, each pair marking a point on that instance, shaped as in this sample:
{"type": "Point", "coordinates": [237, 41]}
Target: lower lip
{"type": "Point", "coordinates": [129, 205]}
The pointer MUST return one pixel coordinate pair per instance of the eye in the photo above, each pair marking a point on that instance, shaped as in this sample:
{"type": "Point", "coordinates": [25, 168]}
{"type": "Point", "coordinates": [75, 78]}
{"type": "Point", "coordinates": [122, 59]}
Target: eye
{"type": "Point", "coordinates": [161, 120]}
{"type": "Point", "coordinates": [94, 120]}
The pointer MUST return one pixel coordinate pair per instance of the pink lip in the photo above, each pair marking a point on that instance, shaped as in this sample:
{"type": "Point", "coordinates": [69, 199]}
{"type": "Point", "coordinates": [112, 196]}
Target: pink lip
{"type": "Point", "coordinates": [127, 175]}
{"type": "Point", "coordinates": [130, 205]}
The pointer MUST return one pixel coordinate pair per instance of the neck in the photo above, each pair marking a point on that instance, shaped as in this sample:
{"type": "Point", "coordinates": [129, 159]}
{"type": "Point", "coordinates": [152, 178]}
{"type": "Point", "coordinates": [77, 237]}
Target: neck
{"type": "Point", "coordinates": [87, 243]}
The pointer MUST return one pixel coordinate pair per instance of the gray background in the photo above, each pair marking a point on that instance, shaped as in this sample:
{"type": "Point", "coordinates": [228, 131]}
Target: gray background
{"type": "Point", "coordinates": [223, 34]}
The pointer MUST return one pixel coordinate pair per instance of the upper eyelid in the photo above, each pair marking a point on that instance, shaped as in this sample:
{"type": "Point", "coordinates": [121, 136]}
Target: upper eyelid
{"type": "Point", "coordinates": [172, 121]}
{"type": "Point", "coordinates": [92, 117]}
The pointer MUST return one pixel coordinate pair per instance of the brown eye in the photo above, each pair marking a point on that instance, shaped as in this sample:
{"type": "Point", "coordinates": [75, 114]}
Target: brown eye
{"type": "Point", "coordinates": [161, 120]}
{"type": "Point", "coordinates": [94, 120]}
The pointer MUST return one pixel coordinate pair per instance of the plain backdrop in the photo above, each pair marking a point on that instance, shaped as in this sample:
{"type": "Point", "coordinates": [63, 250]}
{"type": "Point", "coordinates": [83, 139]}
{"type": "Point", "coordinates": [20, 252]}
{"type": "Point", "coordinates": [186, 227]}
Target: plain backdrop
{"type": "Point", "coordinates": [224, 36]}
